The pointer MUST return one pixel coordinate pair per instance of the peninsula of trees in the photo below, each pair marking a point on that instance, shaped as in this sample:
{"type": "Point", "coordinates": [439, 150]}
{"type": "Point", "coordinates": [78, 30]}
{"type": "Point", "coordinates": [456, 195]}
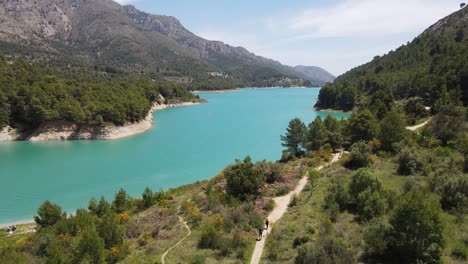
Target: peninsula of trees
{"type": "Point", "coordinates": [31, 95]}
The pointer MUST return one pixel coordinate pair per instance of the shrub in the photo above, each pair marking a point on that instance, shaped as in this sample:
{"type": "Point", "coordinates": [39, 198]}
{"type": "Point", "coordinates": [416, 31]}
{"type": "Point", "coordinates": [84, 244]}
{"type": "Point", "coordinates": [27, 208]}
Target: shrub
{"type": "Point", "coordinates": [375, 239]}
{"type": "Point", "coordinates": [460, 252]}
{"type": "Point", "coordinates": [243, 179]}
{"type": "Point", "coordinates": [365, 190]}
{"type": "Point", "coordinates": [283, 190]}
{"type": "Point", "coordinates": [269, 206]}
{"type": "Point", "coordinates": [271, 171]}
{"type": "Point", "coordinates": [294, 201]}
{"type": "Point", "coordinates": [453, 190]}
{"type": "Point", "coordinates": [299, 241]}
{"type": "Point", "coordinates": [197, 259]}
{"type": "Point", "coordinates": [210, 238]}
{"type": "Point", "coordinates": [325, 250]}
{"type": "Point", "coordinates": [360, 155]}
{"type": "Point", "coordinates": [410, 161]}
{"type": "Point", "coordinates": [314, 176]}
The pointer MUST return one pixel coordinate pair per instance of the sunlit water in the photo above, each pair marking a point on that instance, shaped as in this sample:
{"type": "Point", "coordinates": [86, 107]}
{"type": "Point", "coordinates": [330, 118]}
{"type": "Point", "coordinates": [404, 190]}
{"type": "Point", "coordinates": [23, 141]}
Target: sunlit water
{"type": "Point", "coordinates": [187, 144]}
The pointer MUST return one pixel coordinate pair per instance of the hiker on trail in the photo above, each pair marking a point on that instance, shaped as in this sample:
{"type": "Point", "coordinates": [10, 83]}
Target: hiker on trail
{"type": "Point", "coordinates": [267, 222]}
{"type": "Point", "coordinates": [260, 234]}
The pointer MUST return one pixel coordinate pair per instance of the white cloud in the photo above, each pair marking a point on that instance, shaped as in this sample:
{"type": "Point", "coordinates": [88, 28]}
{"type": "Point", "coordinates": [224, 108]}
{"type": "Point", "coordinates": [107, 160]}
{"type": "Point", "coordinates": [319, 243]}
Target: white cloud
{"type": "Point", "coordinates": [336, 36]}
{"type": "Point", "coordinates": [351, 18]}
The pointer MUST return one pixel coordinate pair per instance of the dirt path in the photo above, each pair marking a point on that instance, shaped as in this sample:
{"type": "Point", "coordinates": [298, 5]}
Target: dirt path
{"type": "Point", "coordinates": [180, 241]}
{"type": "Point", "coordinates": [281, 205]}
{"type": "Point", "coordinates": [414, 128]}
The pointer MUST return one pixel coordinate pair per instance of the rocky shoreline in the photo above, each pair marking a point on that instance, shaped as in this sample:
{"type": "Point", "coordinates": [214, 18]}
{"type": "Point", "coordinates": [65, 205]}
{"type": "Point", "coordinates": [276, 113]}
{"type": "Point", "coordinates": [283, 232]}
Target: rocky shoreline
{"type": "Point", "coordinates": [63, 130]}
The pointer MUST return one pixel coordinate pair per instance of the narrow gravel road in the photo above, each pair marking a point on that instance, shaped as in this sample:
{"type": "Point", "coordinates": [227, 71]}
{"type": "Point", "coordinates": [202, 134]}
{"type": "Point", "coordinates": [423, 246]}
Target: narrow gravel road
{"type": "Point", "coordinates": [281, 206]}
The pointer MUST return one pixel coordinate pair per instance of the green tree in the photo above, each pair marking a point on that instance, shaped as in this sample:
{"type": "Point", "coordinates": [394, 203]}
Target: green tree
{"type": "Point", "coordinates": [243, 179]}
{"type": "Point", "coordinates": [392, 130]}
{"type": "Point", "coordinates": [360, 155]}
{"type": "Point", "coordinates": [410, 161]}
{"type": "Point", "coordinates": [90, 249]}
{"type": "Point", "coordinates": [121, 201]}
{"type": "Point", "coordinates": [335, 137]}
{"type": "Point", "coordinates": [148, 198]}
{"type": "Point", "coordinates": [375, 239]}
{"type": "Point", "coordinates": [48, 214]}
{"type": "Point", "coordinates": [417, 229]}
{"type": "Point", "coordinates": [111, 231]}
{"type": "Point", "coordinates": [316, 135]}
{"type": "Point", "coordinates": [99, 208]}
{"type": "Point", "coordinates": [365, 191]}
{"type": "Point", "coordinates": [362, 126]}
{"type": "Point", "coordinates": [294, 138]}
{"type": "Point", "coordinates": [448, 123]}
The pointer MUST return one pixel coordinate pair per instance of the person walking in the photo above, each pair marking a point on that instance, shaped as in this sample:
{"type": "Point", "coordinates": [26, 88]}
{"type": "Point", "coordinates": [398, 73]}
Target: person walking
{"type": "Point", "coordinates": [260, 234]}
{"type": "Point", "coordinates": [267, 222]}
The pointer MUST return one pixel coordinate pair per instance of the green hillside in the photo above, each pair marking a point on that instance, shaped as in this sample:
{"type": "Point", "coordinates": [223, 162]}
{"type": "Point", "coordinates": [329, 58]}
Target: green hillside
{"type": "Point", "coordinates": [433, 62]}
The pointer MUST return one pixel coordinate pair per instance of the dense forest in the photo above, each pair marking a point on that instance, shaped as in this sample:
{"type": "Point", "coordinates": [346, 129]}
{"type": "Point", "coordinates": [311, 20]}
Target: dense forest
{"type": "Point", "coordinates": [436, 60]}
{"type": "Point", "coordinates": [33, 94]}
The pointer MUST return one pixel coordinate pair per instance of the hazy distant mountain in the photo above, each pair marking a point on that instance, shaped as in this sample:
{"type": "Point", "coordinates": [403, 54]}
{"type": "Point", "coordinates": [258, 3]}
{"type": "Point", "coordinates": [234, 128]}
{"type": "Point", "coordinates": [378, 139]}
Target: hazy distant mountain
{"type": "Point", "coordinates": [105, 35]}
{"type": "Point", "coordinates": [315, 73]}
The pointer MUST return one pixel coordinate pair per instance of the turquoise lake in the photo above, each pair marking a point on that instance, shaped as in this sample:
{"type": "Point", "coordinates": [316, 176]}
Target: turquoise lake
{"type": "Point", "coordinates": [186, 144]}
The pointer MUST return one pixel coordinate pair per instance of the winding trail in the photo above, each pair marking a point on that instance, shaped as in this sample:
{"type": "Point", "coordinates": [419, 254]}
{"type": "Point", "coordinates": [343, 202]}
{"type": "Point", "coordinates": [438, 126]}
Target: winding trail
{"type": "Point", "coordinates": [281, 206]}
{"type": "Point", "coordinates": [178, 243]}
{"type": "Point", "coordinates": [414, 128]}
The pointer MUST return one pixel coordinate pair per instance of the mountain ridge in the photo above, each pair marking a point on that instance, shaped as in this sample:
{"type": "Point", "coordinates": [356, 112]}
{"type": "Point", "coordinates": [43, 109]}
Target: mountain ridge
{"type": "Point", "coordinates": [102, 33]}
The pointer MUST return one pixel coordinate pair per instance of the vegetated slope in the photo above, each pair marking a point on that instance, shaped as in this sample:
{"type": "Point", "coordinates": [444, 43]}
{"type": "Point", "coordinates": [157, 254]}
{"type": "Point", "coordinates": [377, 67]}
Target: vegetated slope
{"type": "Point", "coordinates": [31, 95]}
{"type": "Point", "coordinates": [316, 73]}
{"type": "Point", "coordinates": [434, 61]}
{"type": "Point", "coordinates": [105, 35]}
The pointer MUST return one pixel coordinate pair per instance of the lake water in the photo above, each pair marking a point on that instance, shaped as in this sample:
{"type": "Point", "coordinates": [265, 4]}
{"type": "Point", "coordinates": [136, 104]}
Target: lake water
{"type": "Point", "coordinates": [187, 144]}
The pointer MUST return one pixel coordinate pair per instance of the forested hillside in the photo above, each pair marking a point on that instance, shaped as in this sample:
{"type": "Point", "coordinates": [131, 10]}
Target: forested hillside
{"type": "Point", "coordinates": [435, 61]}
{"type": "Point", "coordinates": [31, 95]}
{"type": "Point", "coordinates": [104, 34]}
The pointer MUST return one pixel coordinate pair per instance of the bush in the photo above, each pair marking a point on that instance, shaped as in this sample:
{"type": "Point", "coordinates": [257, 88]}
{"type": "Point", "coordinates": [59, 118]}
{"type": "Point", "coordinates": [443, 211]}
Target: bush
{"type": "Point", "coordinates": [271, 171]}
{"type": "Point", "coordinates": [410, 161]}
{"type": "Point", "coordinates": [294, 201]}
{"type": "Point", "coordinates": [283, 190]}
{"type": "Point", "coordinates": [325, 250]}
{"type": "Point", "coordinates": [360, 155]}
{"type": "Point", "coordinates": [365, 191]}
{"type": "Point", "coordinates": [375, 239]}
{"type": "Point", "coordinates": [453, 190]}
{"type": "Point", "coordinates": [210, 238]}
{"type": "Point", "coordinates": [314, 176]}
{"type": "Point", "coordinates": [299, 241]}
{"type": "Point", "coordinates": [243, 179]}
{"type": "Point", "coordinates": [269, 206]}
{"type": "Point", "coordinates": [197, 259]}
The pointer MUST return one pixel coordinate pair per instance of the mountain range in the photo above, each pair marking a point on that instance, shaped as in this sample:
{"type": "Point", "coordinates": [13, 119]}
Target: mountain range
{"type": "Point", "coordinates": [110, 37]}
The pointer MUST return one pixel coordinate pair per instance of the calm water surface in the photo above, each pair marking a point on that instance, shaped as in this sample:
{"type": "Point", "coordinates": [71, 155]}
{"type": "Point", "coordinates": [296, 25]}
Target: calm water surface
{"type": "Point", "coordinates": [186, 144]}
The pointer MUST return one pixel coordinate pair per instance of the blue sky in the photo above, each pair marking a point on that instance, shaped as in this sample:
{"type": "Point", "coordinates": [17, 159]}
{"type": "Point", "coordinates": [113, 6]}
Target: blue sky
{"type": "Point", "coordinates": [336, 34]}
